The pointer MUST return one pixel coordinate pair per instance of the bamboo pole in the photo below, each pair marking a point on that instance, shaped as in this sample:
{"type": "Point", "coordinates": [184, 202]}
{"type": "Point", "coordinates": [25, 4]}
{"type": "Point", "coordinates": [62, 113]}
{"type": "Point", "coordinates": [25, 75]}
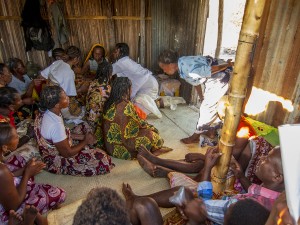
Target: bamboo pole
{"type": "Point", "coordinates": [238, 88]}
{"type": "Point", "coordinates": [220, 28]}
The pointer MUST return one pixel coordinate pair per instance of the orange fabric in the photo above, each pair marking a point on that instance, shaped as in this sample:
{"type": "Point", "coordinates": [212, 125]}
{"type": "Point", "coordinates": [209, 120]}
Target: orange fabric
{"type": "Point", "coordinates": [140, 112]}
{"type": "Point", "coordinates": [245, 124]}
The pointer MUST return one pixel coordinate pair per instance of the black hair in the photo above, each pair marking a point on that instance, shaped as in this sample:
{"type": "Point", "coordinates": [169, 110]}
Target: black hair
{"type": "Point", "coordinates": [103, 206]}
{"type": "Point", "coordinates": [124, 49]}
{"type": "Point", "coordinates": [104, 72]}
{"type": "Point", "coordinates": [13, 63]}
{"type": "Point", "coordinates": [7, 96]}
{"type": "Point", "coordinates": [49, 97]}
{"type": "Point", "coordinates": [120, 90]}
{"type": "Point", "coordinates": [168, 56]}
{"type": "Point", "coordinates": [246, 212]}
{"type": "Point", "coordinates": [98, 47]}
{"type": "Point", "coordinates": [73, 52]}
{"type": "Point", "coordinates": [58, 52]}
{"type": "Point", "coordinates": [5, 133]}
{"type": "Point", "coordinates": [2, 65]}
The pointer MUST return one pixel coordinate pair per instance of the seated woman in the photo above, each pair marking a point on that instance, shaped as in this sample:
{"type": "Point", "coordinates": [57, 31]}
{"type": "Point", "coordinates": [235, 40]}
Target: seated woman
{"type": "Point", "coordinates": [24, 85]}
{"type": "Point", "coordinates": [98, 93]}
{"type": "Point", "coordinates": [10, 102]}
{"type": "Point", "coordinates": [94, 58]}
{"type": "Point", "coordinates": [124, 132]}
{"type": "Point", "coordinates": [56, 145]}
{"type": "Point", "coordinates": [16, 180]}
{"type": "Point", "coordinates": [144, 84]}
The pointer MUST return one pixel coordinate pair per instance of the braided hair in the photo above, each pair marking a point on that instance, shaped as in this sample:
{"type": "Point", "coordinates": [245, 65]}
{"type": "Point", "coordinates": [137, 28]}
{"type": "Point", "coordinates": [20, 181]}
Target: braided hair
{"type": "Point", "coordinates": [168, 56]}
{"type": "Point", "coordinates": [120, 91]}
{"type": "Point", "coordinates": [104, 72]}
{"type": "Point", "coordinates": [49, 97]}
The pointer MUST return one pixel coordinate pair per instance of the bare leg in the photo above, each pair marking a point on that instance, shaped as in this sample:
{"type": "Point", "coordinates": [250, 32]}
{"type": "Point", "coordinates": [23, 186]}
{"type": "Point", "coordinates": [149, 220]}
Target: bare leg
{"type": "Point", "coordinates": [191, 157]}
{"type": "Point", "coordinates": [151, 169]}
{"type": "Point", "coordinates": [142, 210]}
{"type": "Point", "coordinates": [180, 166]}
{"type": "Point", "coordinates": [14, 218]}
{"type": "Point", "coordinates": [161, 197]}
{"type": "Point", "coordinates": [192, 139]}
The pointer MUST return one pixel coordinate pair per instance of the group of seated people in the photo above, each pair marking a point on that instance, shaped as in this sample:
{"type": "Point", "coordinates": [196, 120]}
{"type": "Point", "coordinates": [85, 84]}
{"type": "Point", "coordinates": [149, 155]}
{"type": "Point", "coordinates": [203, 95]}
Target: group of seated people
{"type": "Point", "coordinates": [76, 140]}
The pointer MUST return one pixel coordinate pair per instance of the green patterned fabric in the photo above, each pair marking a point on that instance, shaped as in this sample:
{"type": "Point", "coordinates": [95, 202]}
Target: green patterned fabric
{"type": "Point", "coordinates": [125, 132]}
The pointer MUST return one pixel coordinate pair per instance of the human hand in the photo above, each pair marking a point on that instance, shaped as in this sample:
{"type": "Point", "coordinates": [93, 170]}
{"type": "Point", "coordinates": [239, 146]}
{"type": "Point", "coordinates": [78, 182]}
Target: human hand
{"type": "Point", "coordinates": [195, 211]}
{"type": "Point", "coordinates": [90, 139]}
{"type": "Point", "coordinates": [34, 167]}
{"type": "Point", "coordinates": [280, 213]}
{"type": "Point", "coordinates": [28, 101]}
{"type": "Point", "coordinates": [211, 157]}
{"type": "Point", "coordinates": [30, 131]}
{"type": "Point", "coordinates": [236, 168]}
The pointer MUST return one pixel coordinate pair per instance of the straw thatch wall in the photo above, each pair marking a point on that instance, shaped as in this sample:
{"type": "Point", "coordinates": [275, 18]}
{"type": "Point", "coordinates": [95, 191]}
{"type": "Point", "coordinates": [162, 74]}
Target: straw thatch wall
{"type": "Point", "coordinates": [106, 22]}
{"type": "Point", "coordinates": [277, 60]}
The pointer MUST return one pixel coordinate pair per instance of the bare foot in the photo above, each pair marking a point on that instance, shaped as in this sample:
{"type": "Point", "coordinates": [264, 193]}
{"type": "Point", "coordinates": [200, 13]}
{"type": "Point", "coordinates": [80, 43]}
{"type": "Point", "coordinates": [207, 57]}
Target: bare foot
{"type": "Point", "coordinates": [152, 169]}
{"type": "Point", "coordinates": [30, 213]}
{"type": "Point", "coordinates": [192, 139]}
{"type": "Point", "coordinates": [14, 218]}
{"type": "Point", "coordinates": [162, 150]}
{"type": "Point", "coordinates": [130, 198]}
{"type": "Point", "coordinates": [146, 154]}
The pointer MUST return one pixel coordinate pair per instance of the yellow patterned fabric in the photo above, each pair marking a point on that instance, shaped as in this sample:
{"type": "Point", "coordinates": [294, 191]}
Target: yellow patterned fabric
{"type": "Point", "coordinates": [124, 132]}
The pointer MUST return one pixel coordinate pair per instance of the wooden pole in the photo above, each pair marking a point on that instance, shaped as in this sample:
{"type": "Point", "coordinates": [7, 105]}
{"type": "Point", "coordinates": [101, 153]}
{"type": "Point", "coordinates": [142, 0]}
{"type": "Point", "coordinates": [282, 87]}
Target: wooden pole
{"type": "Point", "coordinates": [238, 88]}
{"type": "Point", "coordinates": [220, 28]}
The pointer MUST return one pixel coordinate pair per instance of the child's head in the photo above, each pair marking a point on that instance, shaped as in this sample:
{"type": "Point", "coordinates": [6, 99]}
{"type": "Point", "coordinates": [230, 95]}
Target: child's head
{"type": "Point", "coordinates": [98, 53]}
{"type": "Point", "coordinates": [9, 138]}
{"type": "Point", "coordinates": [16, 66]}
{"type": "Point", "coordinates": [246, 212]}
{"type": "Point", "coordinates": [269, 170]}
{"type": "Point", "coordinates": [5, 74]}
{"type": "Point", "coordinates": [102, 206]}
{"type": "Point", "coordinates": [10, 99]}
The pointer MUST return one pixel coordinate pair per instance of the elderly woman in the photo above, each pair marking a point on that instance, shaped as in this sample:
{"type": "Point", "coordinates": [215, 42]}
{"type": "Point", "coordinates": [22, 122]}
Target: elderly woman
{"type": "Point", "coordinates": [124, 132]}
{"type": "Point", "coordinates": [60, 154]}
